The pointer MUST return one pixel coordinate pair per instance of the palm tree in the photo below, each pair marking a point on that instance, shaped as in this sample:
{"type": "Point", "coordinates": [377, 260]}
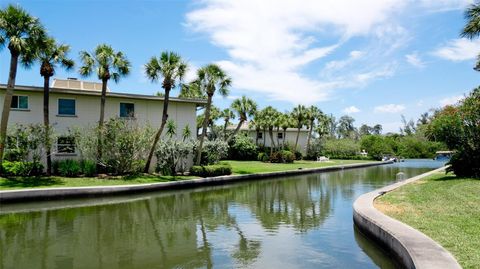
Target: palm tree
{"type": "Point", "coordinates": [22, 33]}
{"type": "Point", "coordinates": [171, 68]}
{"type": "Point", "coordinates": [227, 115]}
{"type": "Point", "coordinates": [268, 117]}
{"type": "Point", "coordinates": [51, 55]}
{"type": "Point", "coordinates": [299, 114]}
{"type": "Point", "coordinates": [472, 28]}
{"type": "Point", "coordinates": [285, 122]}
{"type": "Point", "coordinates": [107, 64]}
{"type": "Point", "coordinates": [211, 78]}
{"type": "Point", "coordinates": [313, 113]}
{"type": "Point", "coordinates": [244, 107]}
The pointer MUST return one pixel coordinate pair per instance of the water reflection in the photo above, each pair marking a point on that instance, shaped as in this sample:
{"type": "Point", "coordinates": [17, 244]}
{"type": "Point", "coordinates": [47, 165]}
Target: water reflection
{"type": "Point", "coordinates": [302, 221]}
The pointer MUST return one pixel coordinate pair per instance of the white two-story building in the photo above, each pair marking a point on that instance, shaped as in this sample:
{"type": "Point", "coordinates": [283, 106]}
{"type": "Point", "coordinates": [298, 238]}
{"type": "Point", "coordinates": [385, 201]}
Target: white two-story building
{"type": "Point", "coordinates": [75, 103]}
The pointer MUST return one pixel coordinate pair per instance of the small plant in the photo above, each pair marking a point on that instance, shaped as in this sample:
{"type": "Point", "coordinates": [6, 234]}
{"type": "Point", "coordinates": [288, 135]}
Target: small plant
{"type": "Point", "coordinates": [22, 168]}
{"type": "Point", "coordinates": [68, 168]}
{"type": "Point", "coordinates": [242, 148]}
{"type": "Point", "coordinates": [263, 157]}
{"type": "Point", "coordinates": [283, 156]}
{"type": "Point", "coordinates": [88, 168]}
{"type": "Point", "coordinates": [211, 170]}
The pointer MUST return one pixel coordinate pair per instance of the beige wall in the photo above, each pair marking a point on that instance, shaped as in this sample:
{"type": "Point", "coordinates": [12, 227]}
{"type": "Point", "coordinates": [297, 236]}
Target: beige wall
{"type": "Point", "coordinates": [88, 111]}
{"type": "Point", "coordinates": [290, 136]}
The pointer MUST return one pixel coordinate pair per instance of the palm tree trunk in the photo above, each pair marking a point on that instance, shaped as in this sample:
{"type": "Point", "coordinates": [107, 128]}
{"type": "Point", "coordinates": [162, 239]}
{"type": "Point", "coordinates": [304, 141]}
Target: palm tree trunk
{"type": "Point", "coordinates": [296, 140]}
{"type": "Point", "coordinates": [278, 140]}
{"type": "Point", "coordinates": [7, 103]}
{"type": "Point", "coordinates": [263, 137]}
{"type": "Point", "coordinates": [100, 125]}
{"type": "Point", "coordinates": [46, 122]}
{"type": "Point", "coordinates": [236, 131]}
{"type": "Point", "coordinates": [204, 129]}
{"type": "Point", "coordinates": [160, 131]}
{"type": "Point", "coordinates": [272, 143]}
{"type": "Point", "coordinates": [225, 131]}
{"type": "Point", "coordinates": [284, 137]}
{"type": "Point", "coordinates": [309, 136]}
{"type": "Point", "coordinates": [256, 138]}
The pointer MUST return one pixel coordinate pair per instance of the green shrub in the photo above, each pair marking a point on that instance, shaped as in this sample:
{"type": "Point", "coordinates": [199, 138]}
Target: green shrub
{"type": "Point", "coordinates": [263, 157]}
{"type": "Point", "coordinates": [213, 151]}
{"type": "Point", "coordinates": [341, 149]}
{"type": "Point", "coordinates": [242, 148]}
{"type": "Point", "coordinates": [67, 168]}
{"type": "Point", "coordinates": [89, 168]}
{"type": "Point", "coordinates": [22, 168]}
{"type": "Point", "coordinates": [211, 170]}
{"type": "Point", "coordinates": [283, 156]}
{"type": "Point", "coordinates": [173, 155]}
{"type": "Point", "coordinates": [298, 155]}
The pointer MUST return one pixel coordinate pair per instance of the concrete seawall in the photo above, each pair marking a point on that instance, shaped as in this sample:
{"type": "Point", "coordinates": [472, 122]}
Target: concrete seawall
{"type": "Point", "coordinates": [410, 247]}
{"type": "Point", "coordinates": [61, 193]}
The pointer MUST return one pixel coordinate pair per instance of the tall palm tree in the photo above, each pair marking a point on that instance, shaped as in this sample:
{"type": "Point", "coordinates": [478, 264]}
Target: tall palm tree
{"type": "Point", "coordinates": [472, 28]}
{"type": "Point", "coordinates": [285, 122]}
{"type": "Point", "coordinates": [171, 68]}
{"type": "Point", "coordinates": [107, 64]}
{"type": "Point", "coordinates": [299, 114]}
{"type": "Point", "coordinates": [227, 115]}
{"type": "Point", "coordinates": [268, 117]}
{"type": "Point", "coordinates": [22, 33]}
{"type": "Point", "coordinates": [313, 113]}
{"type": "Point", "coordinates": [211, 78]}
{"type": "Point", "coordinates": [51, 55]}
{"type": "Point", "coordinates": [244, 107]}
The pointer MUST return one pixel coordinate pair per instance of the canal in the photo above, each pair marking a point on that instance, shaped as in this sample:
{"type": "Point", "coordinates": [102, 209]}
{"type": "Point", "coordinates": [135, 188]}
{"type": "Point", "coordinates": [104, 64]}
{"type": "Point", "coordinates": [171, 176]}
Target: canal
{"type": "Point", "coordinates": [293, 222]}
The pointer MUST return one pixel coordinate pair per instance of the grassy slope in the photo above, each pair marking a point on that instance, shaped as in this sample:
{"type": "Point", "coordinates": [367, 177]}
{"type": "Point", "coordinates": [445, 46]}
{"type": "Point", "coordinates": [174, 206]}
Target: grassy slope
{"type": "Point", "coordinates": [43, 182]}
{"type": "Point", "coordinates": [445, 208]}
{"type": "Point", "coordinates": [250, 167]}
{"type": "Point", "coordinates": [238, 167]}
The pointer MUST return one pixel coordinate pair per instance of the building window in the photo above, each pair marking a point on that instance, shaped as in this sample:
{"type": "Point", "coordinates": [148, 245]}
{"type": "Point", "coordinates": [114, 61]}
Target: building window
{"type": "Point", "coordinates": [66, 145]}
{"type": "Point", "coordinates": [66, 107]}
{"type": "Point", "coordinates": [127, 110]}
{"type": "Point", "coordinates": [280, 135]}
{"type": "Point", "coordinates": [259, 135]}
{"type": "Point", "coordinates": [19, 102]}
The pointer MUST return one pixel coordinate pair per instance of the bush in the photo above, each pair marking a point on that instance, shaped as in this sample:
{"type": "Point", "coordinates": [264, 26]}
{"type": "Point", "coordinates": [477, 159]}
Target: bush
{"type": "Point", "coordinates": [341, 148]}
{"type": "Point", "coordinates": [375, 146]}
{"type": "Point", "coordinates": [298, 155]}
{"type": "Point", "coordinates": [172, 156]}
{"type": "Point", "coordinates": [315, 149]}
{"type": "Point", "coordinates": [283, 156]}
{"type": "Point", "coordinates": [67, 168]}
{"type": "Point", "coordinates": [22, 168]}
{"type": "Point", "coordinates": [263, 157]}
{"type": "Point", "coordinates": [211, 170]}
{"type": "Point", "coordinates": [89, 168]}
{"type": "Point", "coordinates": [458, 127]}
{"type": "Point", "coordinates": [125, 145]}
{"type": "Point", "coordinates": [74, 168]}
{"type": "Point", "coordinates": [213, 151]}
{"type": "Point", "coordinates": [242, 148]}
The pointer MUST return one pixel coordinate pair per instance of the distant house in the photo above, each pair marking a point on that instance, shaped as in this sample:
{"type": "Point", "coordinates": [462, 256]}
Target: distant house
{"type": "Point", "coordinates": [75, 103]}
{"type": "Point", "coordinates": [262, 137]}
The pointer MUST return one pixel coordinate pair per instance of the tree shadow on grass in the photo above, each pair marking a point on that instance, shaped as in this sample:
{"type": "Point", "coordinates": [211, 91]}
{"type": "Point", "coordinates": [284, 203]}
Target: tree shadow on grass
{"type": "Point", "coordinates": [30, 182]}
{"type": "Point", "coordinates": [151, 178]}
{"type": "Point", "coordinates": [447, 177]}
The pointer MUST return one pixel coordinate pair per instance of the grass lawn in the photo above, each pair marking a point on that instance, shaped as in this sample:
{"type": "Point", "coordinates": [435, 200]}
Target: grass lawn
{"type": "Point", "coordinates": [444, 207]}
{"type": "Point", "coordinates": [43, 182]}
{"type": "Point", "coordinates": [238, 167]}
{"type": "Point", "coordinates": [250, 167]}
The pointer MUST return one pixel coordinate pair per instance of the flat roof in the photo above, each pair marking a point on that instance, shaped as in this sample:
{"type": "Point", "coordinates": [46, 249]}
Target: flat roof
{"type": "Point", "coordinates": [109, 94]}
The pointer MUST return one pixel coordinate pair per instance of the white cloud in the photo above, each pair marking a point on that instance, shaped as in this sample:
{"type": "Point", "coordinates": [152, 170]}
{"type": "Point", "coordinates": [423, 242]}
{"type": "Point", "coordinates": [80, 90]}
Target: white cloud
{"type": "Point", "coordinates": [351, 110]}
{"type": "Point", "coordinates": [390, 108]}
{"type": "Point", "coordinates": [191, 73]}
{"type": "Point", "coordinates": [415, 60]}
{"type": "Point", "coordinates": [270, 42]}
{"type": "Point", "coordinates": [450, 100]}
{"type": "Point", "coordinates": [459, 50]}
{"type": "Point", "coordinates": [445, 5]}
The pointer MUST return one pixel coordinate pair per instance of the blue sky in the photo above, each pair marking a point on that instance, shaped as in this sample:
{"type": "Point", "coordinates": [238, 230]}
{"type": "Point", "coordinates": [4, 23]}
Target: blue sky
{"type": "Point", "coordinates": [371, 59]}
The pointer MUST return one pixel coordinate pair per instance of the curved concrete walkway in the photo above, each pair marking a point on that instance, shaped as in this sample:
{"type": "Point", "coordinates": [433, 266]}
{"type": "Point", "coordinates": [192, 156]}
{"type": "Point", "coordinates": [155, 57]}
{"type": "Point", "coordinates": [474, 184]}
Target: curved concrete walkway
{"type": "Point", "coordinates": [410, 247]}
{"type": "Point", "coordinates": [60, 193]}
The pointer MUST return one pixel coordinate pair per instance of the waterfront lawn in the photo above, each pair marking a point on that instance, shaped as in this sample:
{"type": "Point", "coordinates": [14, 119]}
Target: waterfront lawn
{"type": "Point", "coordinates": [444, 207]}
{"type": "Point", "coordinates": [43, 182]}
{"type": "Point", "coordinates": [251, 167]}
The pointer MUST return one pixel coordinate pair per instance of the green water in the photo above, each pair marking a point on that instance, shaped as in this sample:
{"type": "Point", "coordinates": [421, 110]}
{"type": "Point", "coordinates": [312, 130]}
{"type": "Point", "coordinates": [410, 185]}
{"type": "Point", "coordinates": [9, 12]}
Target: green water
{"type": "Point", "coordinates": [292, 222]}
